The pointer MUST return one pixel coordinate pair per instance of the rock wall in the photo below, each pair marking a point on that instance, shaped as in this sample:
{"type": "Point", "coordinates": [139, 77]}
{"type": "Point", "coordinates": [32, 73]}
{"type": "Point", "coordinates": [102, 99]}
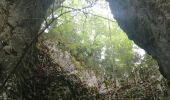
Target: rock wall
{"type": "Point", "coordinates": [147, 23]}
{"type": "Point", "coordinates": [20, 21]}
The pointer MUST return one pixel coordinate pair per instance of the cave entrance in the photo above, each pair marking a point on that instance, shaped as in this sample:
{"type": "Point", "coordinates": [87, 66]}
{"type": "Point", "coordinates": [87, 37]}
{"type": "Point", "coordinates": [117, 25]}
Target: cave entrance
{"type": "Point", "coordinates": [99, 48]}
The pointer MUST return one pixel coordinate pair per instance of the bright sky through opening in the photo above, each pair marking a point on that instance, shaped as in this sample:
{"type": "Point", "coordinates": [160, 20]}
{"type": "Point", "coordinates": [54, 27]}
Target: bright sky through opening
{"type": "Point", "coordinates": [102, 8]}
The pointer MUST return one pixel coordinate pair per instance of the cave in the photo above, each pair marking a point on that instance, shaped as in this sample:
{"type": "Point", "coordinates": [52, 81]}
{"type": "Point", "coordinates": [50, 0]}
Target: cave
{"type": "Point", "coordinates": [145, 22]}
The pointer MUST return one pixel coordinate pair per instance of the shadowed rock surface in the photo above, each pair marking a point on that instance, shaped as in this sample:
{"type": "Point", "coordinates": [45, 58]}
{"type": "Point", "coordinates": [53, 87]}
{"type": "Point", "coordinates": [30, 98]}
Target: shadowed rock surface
{"type": "Point", "coordinates": [147, 23]}
{"type": "Point", "coordinates": [19, 26]}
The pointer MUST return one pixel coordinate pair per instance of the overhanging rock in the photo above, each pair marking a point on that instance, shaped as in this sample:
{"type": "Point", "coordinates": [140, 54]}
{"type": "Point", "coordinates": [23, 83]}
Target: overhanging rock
{"type": "Point", "coordinates": [147, 23]}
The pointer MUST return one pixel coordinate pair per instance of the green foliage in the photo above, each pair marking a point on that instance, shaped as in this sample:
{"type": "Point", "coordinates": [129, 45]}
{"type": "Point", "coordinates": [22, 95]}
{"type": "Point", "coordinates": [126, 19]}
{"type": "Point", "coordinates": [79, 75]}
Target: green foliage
{"type": "Point", "coordinates": [98, 43]}
{"type": "Point", "coordinates": [93, 39]}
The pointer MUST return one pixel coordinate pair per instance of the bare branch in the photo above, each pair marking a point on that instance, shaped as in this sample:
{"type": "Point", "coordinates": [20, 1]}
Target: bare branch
{"type": "Point", "coordinates": [85, 12]}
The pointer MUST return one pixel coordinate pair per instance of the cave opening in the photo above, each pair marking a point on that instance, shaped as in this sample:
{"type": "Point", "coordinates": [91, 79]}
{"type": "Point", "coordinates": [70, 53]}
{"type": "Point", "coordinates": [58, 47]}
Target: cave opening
{"type": "Point", "coordinates": [103, 55]}
{"type": "Point", "coordinates": [82, 51]}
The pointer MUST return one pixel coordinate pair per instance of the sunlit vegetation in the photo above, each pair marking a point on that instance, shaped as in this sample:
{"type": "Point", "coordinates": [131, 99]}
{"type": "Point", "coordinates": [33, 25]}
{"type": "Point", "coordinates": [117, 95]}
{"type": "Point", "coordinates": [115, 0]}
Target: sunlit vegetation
{"type": "Point", "coordinates": [95, 40]}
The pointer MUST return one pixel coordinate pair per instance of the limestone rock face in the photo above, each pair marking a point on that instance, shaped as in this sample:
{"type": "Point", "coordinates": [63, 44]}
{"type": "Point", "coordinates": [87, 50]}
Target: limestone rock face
{"type": "Point", "coordinates": [147, 23]}
{"type": "Point", "coordinates": [20, 21]}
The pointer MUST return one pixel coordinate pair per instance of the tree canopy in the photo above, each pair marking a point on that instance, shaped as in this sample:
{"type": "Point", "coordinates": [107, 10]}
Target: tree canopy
{"type": "Point", "coordinates": [94, 39]}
